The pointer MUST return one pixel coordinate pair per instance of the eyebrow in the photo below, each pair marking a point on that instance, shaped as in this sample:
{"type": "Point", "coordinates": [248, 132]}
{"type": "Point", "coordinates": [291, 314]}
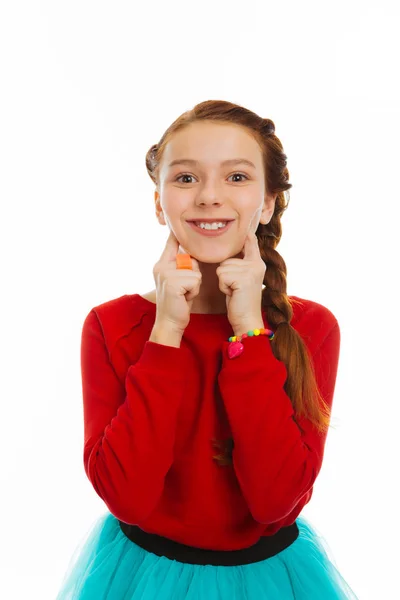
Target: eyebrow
{"type": "Point", "coordinates": [231, 161]}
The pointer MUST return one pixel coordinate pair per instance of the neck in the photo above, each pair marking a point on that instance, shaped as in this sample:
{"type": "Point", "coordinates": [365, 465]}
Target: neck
{"type": "Point", "coordinates": [210, 299]}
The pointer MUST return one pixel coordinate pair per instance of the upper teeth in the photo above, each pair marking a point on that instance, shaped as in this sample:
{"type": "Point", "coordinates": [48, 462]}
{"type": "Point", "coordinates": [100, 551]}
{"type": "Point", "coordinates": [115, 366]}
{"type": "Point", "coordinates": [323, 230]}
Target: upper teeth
{"type": "Point", "coordinates": [215, 225]}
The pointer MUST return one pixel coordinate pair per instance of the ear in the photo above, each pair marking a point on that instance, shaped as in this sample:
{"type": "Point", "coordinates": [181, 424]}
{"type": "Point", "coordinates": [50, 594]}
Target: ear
{"type": "Point", "coordinates": [159, 211]}
{"type": "Point", "coordinates": [268, 209]}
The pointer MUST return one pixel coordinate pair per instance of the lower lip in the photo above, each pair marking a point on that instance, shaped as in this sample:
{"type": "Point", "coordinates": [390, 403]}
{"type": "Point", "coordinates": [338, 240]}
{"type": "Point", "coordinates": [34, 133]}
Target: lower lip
{"type": "Point", "coordinates": [211, 232]}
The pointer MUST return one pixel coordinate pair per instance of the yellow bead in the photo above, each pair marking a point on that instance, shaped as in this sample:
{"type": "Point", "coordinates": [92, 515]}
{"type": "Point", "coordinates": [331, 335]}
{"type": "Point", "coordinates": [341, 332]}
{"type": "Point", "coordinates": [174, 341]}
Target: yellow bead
{"type": "Point", "coordinates": [234, 338]}
{"type": "Point", "coordinates": [256, 332]}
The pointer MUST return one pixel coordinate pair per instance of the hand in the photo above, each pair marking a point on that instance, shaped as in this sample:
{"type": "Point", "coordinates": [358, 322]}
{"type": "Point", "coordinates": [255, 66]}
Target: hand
{"type": "Point", "coordinates": [241, 280]}
{"type": "Point", "coordinates": [176, 288]}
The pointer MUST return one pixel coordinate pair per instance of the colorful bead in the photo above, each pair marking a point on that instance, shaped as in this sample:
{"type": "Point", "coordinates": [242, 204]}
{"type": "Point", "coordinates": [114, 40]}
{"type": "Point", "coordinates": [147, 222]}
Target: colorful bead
{"type": "Point", "coordinates": [236, 348]}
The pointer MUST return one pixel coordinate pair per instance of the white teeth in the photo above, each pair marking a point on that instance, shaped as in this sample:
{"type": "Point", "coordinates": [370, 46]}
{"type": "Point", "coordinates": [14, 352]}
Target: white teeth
{"type": "Point", "coordinates": [216, 225]}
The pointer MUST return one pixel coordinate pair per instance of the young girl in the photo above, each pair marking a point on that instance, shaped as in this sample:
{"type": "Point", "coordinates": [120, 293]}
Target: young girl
{"type": "Point", "coordinates": [207, 401]}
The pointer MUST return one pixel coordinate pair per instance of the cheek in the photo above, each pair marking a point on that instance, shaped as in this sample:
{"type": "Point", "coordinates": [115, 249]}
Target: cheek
{"type": "Point", "coordinates": [174, 206]}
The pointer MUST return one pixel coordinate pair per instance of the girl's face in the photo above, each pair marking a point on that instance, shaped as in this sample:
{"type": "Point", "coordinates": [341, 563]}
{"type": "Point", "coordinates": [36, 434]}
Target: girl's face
{"type": "Point", "coordinates": [211, 189]}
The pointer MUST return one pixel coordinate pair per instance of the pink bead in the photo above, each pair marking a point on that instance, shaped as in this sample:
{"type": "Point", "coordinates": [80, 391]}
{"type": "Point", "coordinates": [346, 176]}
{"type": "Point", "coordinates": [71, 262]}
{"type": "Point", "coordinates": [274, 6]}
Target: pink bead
{"type": "Point", "coordinates": [235, 349]}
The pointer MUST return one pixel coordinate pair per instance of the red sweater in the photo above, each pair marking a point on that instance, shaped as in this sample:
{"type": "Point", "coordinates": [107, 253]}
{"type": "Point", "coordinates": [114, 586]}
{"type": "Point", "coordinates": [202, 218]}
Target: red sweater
{"type": "Point", "coordinates": [151, 411]}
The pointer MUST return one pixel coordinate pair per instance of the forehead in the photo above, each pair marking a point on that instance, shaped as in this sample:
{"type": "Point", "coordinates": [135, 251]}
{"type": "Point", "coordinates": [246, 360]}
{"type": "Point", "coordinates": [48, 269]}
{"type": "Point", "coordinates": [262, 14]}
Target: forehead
{"type": "Point", "coordinates": [212, 142]}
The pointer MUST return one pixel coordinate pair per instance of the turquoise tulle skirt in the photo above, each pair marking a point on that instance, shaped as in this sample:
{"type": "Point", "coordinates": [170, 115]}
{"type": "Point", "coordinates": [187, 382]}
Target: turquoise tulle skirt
{"type": "Point", "coordinates": [107, 565]}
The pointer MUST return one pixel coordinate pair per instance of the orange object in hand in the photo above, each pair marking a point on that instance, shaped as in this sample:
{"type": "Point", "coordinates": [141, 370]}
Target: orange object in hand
{"type": "Point", "coordinates": [183, 261]}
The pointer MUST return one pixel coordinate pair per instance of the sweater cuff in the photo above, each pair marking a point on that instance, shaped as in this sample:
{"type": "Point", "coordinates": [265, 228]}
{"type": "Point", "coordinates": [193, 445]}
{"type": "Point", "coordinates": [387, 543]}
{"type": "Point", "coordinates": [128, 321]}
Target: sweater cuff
{"type": "Point", "coordinates": [257, 352]}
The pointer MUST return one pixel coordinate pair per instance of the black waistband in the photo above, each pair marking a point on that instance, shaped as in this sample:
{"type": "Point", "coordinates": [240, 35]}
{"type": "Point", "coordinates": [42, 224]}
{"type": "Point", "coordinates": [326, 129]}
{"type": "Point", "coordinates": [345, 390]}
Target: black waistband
{"type": "Point", "coordinates": [266, 547]}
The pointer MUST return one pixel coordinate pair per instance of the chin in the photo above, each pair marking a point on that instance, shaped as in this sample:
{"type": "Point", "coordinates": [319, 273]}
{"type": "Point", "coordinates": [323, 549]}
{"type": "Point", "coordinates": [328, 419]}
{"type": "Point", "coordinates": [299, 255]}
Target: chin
{"type": "Point", "coordinates": [216, 258]}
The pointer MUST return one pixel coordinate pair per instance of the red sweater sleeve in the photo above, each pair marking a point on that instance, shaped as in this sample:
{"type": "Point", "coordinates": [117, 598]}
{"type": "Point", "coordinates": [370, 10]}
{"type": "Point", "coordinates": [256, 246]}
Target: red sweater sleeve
{"type": "Point", "coordinates": [129, 430]}
{"type": "Point", "coordinates": [275, 462]}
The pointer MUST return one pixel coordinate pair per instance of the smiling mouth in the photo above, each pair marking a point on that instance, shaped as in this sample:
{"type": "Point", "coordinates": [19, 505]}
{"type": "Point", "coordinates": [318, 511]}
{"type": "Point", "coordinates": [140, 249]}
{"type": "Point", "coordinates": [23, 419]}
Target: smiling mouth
{"type": "Point", "coordinates": [210, 232]}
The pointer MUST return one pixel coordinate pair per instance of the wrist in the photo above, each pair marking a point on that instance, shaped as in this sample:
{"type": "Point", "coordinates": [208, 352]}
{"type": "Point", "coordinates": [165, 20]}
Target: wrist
{"type": "Point", "coordinates": [248, 326]}
{"type": "Point", "coordinates": [166, 335]}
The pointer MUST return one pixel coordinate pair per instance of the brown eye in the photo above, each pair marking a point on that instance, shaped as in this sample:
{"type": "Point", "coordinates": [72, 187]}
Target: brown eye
{"type": "Point", "coordinates": [184, 175]}
{"type": "Point", "coordinates": [240, 175]}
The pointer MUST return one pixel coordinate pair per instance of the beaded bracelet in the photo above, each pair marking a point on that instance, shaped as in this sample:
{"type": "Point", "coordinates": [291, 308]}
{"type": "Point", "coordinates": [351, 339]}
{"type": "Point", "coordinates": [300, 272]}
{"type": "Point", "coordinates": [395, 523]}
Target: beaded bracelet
{"type": "Point", "coordinates": [236, 347]}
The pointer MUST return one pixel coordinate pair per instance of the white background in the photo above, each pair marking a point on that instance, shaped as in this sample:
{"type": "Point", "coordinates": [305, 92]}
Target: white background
{"type": "Point", "coordinates": [86, 89]}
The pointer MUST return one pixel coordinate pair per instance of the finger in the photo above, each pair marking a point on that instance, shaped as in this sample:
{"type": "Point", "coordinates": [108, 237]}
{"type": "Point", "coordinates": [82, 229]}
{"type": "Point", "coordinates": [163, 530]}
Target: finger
{"type": "Point", "coordinates": [251, 250]}
{"type": "Point", "coordinates": [171, 248]}
{"type": "Point", "coordinates": [195, 264]}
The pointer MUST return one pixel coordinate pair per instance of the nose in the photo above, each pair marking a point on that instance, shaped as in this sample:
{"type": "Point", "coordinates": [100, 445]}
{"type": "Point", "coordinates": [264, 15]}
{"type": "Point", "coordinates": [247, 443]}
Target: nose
{"type": "Point", "coordinates": [210, 203]}
{"type": "Point", "coordinates": [209, 198]}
